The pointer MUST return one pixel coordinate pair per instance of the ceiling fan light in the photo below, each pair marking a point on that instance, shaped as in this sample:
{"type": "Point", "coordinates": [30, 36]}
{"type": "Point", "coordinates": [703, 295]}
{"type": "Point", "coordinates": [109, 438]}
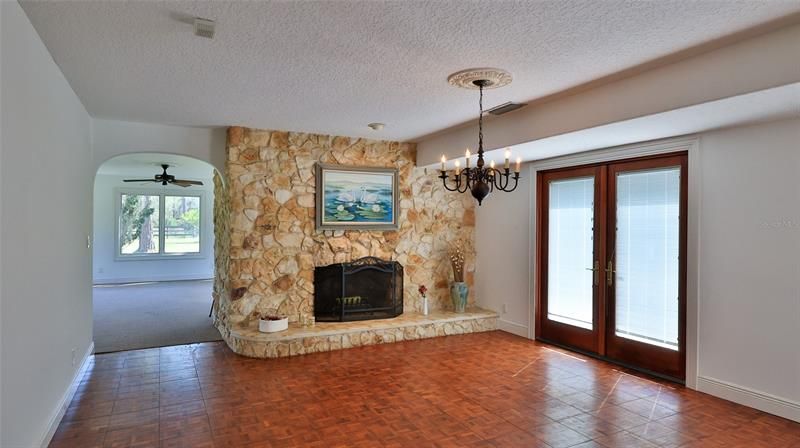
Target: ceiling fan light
{"type": "Point", "coordinates": [166, 179]}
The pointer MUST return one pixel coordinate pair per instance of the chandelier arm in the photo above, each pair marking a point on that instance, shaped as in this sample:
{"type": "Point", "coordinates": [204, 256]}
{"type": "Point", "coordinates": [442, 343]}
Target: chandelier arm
{"type": "Point", "coordinates": [448, 188]}
{"type": "Point", "coordinates": [457, 181]}
{"type": "Point", "coordinates": [464, 184]}
{"type": "Point", "coordinates": [459, 184]}
{"type": "Point", "coordinates": [504, 180]}
{"type": "Point", "coordinates": [516, 182]}
{"type": "Point", "coordinates": [498, 181]}
{"type": "Point", "coordinates": [445, 178]}
{"type": "Point", "coordinates": [511, 176]}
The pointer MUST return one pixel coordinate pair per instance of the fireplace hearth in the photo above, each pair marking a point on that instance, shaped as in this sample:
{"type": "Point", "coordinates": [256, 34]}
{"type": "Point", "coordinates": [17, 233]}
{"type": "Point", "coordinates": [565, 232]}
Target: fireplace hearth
{"type": "Point", "coordinates": [367, 288]}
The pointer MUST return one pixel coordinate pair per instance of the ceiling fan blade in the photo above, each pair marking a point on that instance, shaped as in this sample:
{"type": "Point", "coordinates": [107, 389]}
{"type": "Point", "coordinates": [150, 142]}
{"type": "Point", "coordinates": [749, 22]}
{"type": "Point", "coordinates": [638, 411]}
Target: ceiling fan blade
{"type": "Point", "coordinates": [139, 180]}
{"type": "Point", "coordinates": [186, 183]}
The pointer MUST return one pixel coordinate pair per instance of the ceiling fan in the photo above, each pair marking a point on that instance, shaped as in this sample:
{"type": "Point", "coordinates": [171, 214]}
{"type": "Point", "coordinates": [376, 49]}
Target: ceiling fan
{"type": "Point", "coordinates": [165, 179]}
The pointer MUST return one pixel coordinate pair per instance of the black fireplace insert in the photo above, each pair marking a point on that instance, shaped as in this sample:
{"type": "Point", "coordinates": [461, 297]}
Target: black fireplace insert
{"type": "Point", "coordinates": [367, 288]}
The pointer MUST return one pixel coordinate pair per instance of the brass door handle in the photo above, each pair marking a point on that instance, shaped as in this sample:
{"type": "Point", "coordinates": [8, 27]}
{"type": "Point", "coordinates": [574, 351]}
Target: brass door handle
{"type": "Point", "coordinates": [610, 273]}
{"type": "Point", "coordinates": [596, 271]}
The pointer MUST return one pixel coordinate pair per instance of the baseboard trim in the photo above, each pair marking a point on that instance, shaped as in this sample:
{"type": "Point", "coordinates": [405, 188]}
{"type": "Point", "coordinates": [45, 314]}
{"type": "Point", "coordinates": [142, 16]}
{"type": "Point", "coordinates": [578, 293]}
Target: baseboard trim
{"type": "Point", "coordinates": [749, 397]}
{"type": "Point", "coordinates": [66, 399]}
{"type": "Point", "coordinates": [512, 327]}
{"type": "Point", "coordinates": [150, 278]}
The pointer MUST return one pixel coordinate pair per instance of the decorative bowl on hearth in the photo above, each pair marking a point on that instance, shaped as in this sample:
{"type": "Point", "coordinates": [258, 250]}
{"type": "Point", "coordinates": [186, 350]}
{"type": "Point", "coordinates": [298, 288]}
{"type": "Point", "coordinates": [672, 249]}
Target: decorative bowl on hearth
{"type": "Point", "coordinates": [272, 323]}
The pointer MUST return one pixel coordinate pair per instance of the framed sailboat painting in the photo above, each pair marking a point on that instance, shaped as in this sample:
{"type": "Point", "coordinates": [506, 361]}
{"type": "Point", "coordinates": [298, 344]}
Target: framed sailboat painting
{"type": "Point", "coordinates": [356, 198]}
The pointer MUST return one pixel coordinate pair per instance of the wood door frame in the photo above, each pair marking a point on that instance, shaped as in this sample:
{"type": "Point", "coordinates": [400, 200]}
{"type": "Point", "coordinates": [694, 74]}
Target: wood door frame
{"type": "Point", "coordinates": [538, 262]}
{"type": "Point", "coordinates": [574, 334]}
{"type": "Point", "coordinates": [634, 349]}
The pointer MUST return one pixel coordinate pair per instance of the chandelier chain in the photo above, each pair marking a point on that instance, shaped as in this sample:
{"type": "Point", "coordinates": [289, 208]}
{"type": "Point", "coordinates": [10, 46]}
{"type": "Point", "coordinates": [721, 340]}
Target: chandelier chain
{"type": "Point", "coordinates": [478, 180]}
{"type": "Point", "coordinates": [480, 122]}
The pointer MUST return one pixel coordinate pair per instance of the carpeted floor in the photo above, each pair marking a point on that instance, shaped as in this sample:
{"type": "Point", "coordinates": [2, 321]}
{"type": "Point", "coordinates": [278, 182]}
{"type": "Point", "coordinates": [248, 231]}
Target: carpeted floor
{"type": "Point", "coordinates": [128, 317]}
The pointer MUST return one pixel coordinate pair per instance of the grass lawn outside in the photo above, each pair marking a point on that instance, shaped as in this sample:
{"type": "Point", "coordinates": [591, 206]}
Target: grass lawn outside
{"type": "Point", "coordinates": [172, 245]}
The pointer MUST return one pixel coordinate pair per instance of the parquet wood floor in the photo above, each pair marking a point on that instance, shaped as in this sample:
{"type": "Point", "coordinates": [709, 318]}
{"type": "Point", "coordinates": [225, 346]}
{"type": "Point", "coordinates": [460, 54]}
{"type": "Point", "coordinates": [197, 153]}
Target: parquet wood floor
{"type": "Point", "coordinates": [479, 390]}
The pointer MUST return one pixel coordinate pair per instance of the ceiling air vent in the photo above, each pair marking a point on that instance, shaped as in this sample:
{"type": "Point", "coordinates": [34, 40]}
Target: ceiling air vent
{"type": "Point", "coordinates": [505, 108]}
{"type": "Point", "coordinates": [204, 28]}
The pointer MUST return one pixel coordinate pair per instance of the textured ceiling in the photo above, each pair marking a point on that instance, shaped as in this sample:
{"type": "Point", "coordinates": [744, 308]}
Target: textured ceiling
{"type": "Point", "coordinates": [332, 67]}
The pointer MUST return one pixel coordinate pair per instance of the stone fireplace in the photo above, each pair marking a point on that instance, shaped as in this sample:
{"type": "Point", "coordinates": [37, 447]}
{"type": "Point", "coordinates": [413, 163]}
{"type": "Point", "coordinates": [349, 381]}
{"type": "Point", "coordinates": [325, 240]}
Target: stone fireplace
{"type": "Point", "coordinates": [367, 288]}
{"type": "Point", "coordinates": [272, 246]}
{"type": "Point", "coordinates": [268, 248]}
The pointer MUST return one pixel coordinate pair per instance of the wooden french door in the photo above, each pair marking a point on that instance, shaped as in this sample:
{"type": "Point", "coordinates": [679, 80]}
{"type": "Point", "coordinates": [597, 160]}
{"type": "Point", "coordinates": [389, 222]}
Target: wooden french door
{"type": "Point", "coordinates": [570, 226]}
{"type": "Point", "coordinates": [611, 270]}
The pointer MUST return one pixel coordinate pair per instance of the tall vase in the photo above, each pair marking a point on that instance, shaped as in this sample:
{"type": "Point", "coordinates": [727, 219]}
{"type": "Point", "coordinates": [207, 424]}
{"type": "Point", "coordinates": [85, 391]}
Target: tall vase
{"type": "Point", "coordinates": [458, 294]}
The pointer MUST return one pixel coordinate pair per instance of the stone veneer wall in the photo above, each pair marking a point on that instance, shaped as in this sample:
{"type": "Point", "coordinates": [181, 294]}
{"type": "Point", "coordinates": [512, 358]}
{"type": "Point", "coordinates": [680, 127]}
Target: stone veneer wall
{"type": "Point", "coordinates": [274, 246]}
{"type": "Point", "coordinates": [222, 245]}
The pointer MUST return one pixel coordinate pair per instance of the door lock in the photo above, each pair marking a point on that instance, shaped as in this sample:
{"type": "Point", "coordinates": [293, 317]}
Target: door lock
{"type": "Point", "coordinates": [610, 273]}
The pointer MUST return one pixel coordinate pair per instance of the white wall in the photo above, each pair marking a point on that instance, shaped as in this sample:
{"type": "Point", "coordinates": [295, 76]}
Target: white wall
{"type": "Point", "coordinates": [108, 269]}
{"type": "Point", "coordinates": [749, 270]}
{"type": "Point", "coordinates": [744, 246]}
{"type": "Point", "coordinates": [46, 219]}
{"type": "Point", "coordinates": [113, 138]}
{"type": "Point", "coordinates": [501, 276]}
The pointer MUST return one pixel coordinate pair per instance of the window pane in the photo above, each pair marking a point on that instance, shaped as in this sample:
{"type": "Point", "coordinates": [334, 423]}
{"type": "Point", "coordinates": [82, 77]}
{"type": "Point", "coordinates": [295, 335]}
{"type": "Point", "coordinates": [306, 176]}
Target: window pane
{"type": "Point", "coordinates": [182, 224]}
{"type": "Point", "coordinates": [570, 252]}
{"type": "Point", "coordinates": [647, 249]}
{"type": "Point", "coordinates": [138, 226]}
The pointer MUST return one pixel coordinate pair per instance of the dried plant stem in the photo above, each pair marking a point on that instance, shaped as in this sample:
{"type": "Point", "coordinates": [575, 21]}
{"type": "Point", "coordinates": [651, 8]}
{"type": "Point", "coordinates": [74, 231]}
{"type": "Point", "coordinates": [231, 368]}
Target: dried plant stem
{"type": "Point", "coordinates": [457, 262]}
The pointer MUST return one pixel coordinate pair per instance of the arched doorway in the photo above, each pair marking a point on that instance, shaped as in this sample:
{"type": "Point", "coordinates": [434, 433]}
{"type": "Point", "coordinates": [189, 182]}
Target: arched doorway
{"type": "Point", "coordinates": [153, 252]}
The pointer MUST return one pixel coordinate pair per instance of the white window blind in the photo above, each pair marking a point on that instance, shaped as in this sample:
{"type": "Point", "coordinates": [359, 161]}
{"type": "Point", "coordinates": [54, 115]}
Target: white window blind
{"type": "Point", "coordinates": [570, 251]}
{"type": "Point", "coordinates": [647, 250]}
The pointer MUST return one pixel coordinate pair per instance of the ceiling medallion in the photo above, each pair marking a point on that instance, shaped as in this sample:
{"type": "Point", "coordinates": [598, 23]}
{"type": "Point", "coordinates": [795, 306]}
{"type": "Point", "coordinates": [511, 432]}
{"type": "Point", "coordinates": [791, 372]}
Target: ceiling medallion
{"type": "Point", "coordinates": [480, 180]}
{"type": "Point", "coordinates": [492, 77]}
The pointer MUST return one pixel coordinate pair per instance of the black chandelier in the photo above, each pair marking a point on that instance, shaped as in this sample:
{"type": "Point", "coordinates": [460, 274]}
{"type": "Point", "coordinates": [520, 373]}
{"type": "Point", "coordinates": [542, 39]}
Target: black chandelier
{"type": "Point", "coordinates": [480, 180]}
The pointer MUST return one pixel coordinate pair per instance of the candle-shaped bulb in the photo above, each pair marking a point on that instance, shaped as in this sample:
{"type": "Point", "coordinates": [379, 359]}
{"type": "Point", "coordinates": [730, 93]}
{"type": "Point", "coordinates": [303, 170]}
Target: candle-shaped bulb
{"type": "Point", "coordinates": [444, 160]}
{"type": "Point", "coordinates": [491, 164]}
{"type": "Point", "coordinates": [508, 157]}
{"type": "Point", "coordinates": [519, 161]}
{"type": "Point", "coordinates": [466, 156]}
{"type": "Point", "coordinates": [458, 167]}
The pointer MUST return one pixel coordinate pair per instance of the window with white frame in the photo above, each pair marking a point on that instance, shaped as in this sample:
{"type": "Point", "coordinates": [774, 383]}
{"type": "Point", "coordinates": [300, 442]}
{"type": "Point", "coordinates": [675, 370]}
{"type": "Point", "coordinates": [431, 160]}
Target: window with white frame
{"type": "Point", "coordinates": [158, 224]}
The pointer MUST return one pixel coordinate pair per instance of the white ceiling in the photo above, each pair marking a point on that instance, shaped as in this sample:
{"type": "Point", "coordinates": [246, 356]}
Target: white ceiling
{"type": "Point", "coordinates": [146, 165]}
{"type": "Point", "coordinates": [332, 67]}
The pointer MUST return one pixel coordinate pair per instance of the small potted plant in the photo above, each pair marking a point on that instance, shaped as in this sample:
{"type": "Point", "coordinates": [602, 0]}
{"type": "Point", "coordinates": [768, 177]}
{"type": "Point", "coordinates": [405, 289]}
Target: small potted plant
{"type": "Point", "coordinates": [459, 290]}
{"type": "Point", "coordinates": [422, 290]}
{"type": "Point", "coordinates": [272, 322]}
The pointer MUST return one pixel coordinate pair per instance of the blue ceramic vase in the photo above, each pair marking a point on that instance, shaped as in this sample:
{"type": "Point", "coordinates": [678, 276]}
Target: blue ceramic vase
{"type": "Point", "coordinates": [458, 294]}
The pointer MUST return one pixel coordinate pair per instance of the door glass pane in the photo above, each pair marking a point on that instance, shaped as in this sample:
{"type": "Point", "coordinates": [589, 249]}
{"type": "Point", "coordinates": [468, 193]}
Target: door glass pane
{"type": "Point", "coordinates": [138, 227]}
{"type": "Point", "coordinates": [181, 224]}
{"type": "Point", "coordinates": [647, 249]}
{"type": "Point", "coordinates": [570, 252]}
